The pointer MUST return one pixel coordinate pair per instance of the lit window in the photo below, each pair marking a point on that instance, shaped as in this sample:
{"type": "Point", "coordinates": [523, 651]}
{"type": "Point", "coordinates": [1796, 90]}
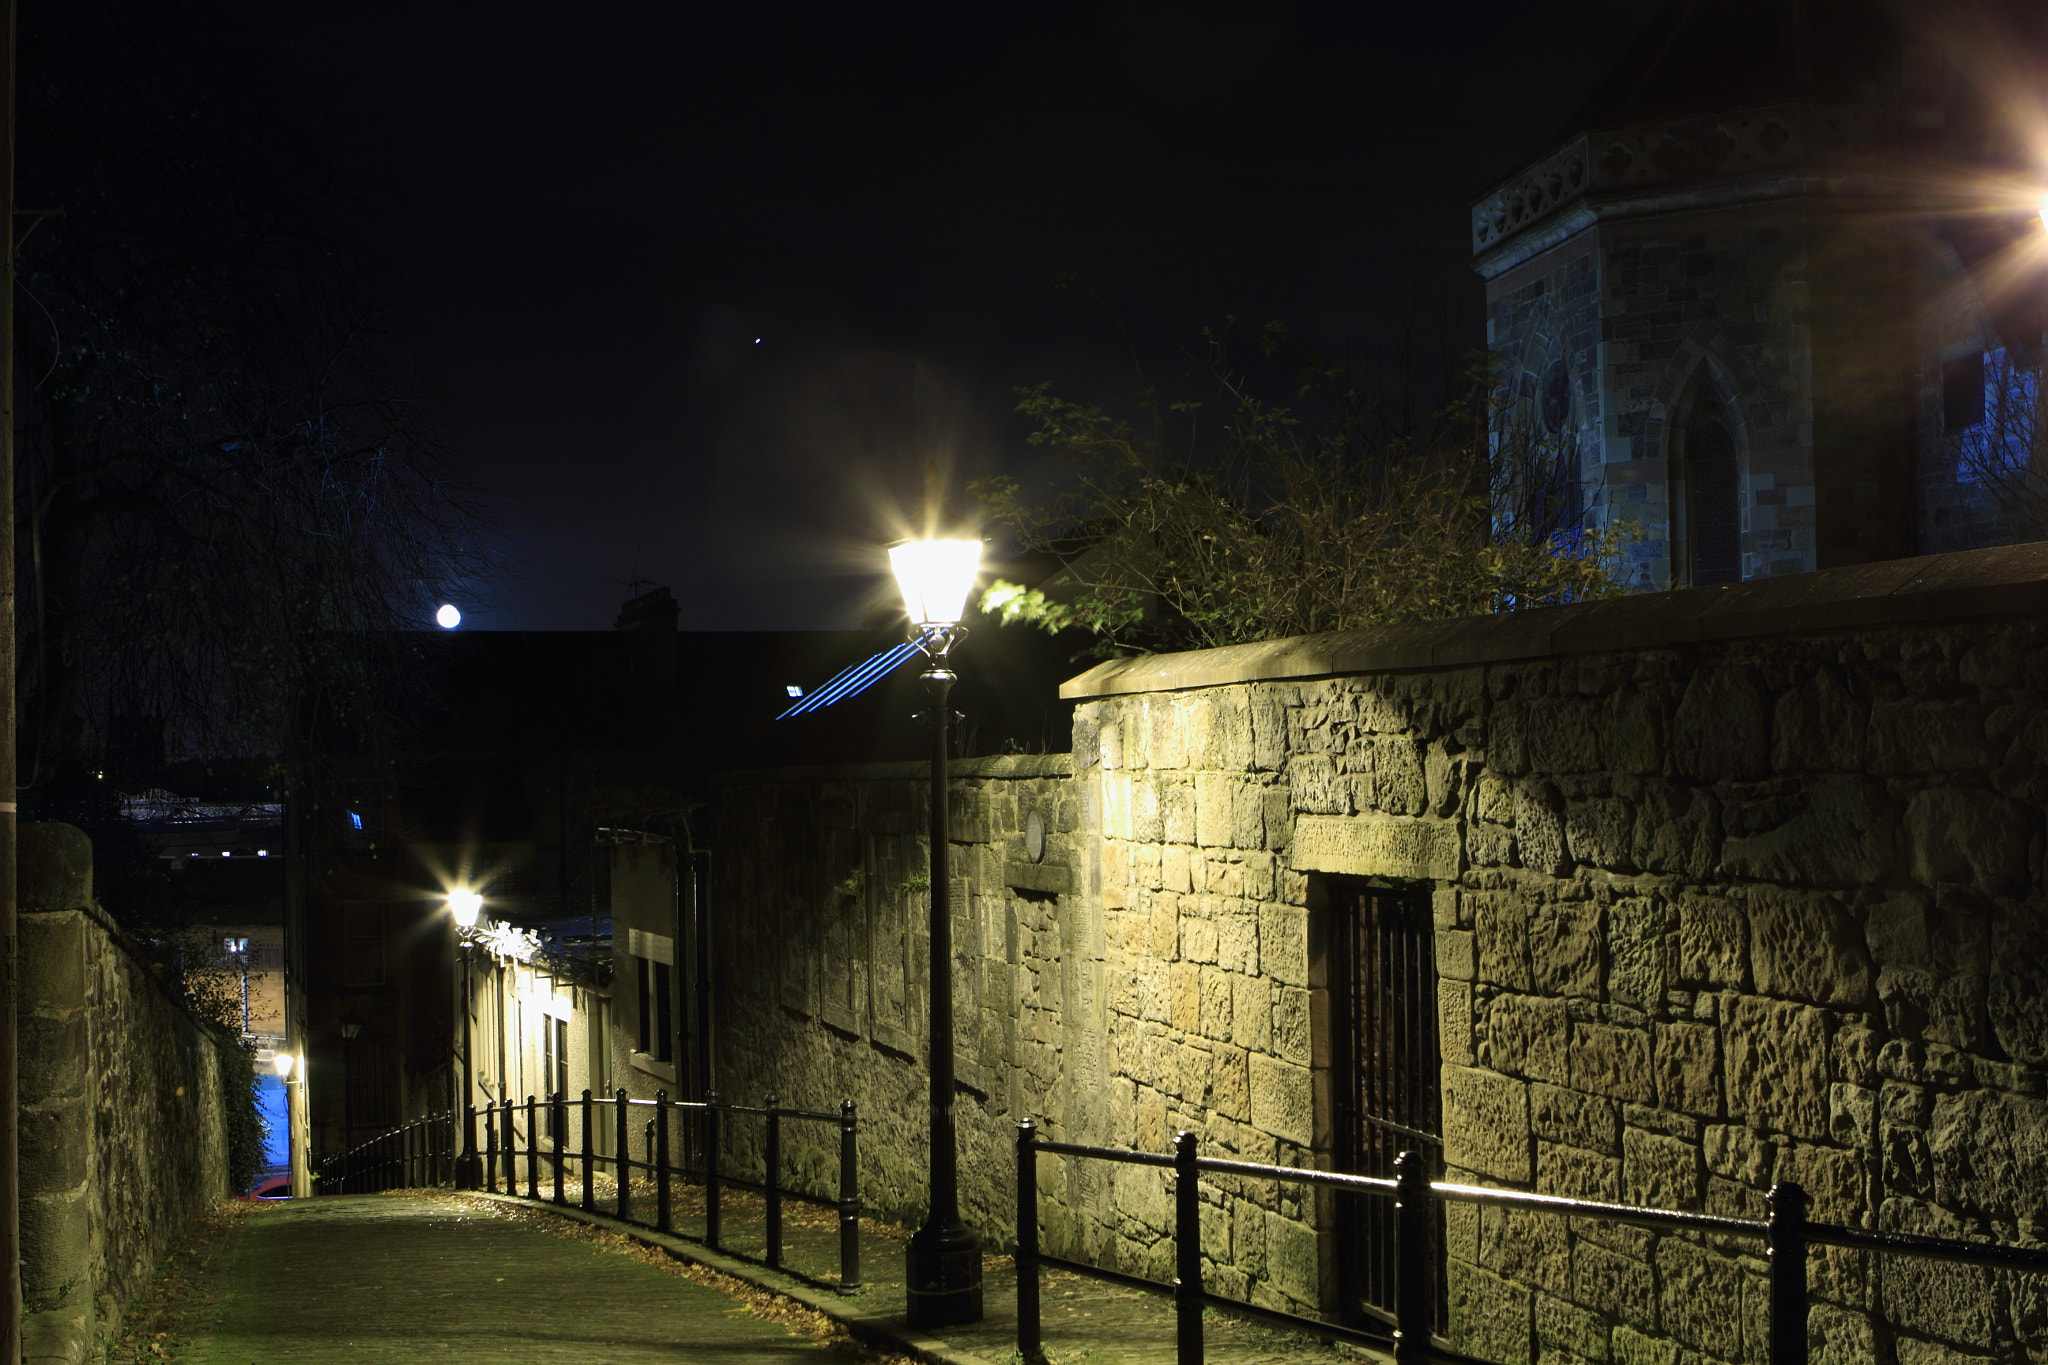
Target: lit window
{"type": "Point", "coordinates": [355, 821]}
{"type": "Point", "coordinates": [792, 689]}
{"type": "Point", "coordinates": [225, 854]}
{"type": "Point", "coordinates": [263, 853]}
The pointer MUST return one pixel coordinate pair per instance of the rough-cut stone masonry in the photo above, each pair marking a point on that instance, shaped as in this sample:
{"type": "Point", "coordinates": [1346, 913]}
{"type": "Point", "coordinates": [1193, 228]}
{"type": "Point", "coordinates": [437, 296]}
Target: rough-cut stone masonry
{"type": "Point", "coordinates": [123, 1139]}
{"type": "Point", "coordinates": [1730, 886]}
{"type": "Point", "coordinates": [1710, 915]}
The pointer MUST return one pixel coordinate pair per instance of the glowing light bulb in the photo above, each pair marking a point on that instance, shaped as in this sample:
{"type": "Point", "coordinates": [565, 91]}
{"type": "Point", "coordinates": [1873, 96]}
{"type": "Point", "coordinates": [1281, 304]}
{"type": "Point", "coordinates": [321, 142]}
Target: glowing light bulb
{"type": "Point", "coordinates": [448, 618]}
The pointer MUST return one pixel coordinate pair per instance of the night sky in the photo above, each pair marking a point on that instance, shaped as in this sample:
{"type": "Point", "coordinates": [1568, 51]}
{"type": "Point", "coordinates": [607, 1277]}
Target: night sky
{"type": "Point", "coordinates": [711, 283]}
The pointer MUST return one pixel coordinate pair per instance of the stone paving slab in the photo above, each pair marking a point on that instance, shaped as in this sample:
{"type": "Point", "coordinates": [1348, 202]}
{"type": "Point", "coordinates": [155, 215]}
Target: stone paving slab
{"type": "Point", "coordinates": [354, 1278]}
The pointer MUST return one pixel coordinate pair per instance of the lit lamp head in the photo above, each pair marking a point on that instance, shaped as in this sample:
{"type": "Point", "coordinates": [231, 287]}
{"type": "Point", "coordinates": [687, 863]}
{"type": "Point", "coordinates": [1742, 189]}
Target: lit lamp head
{"type": "Point", "coordinates": [936, 577]}
{"type": "Point", "coordinates": [465, 905]}
{"type": "Point", "coordinates": [284, 1061]}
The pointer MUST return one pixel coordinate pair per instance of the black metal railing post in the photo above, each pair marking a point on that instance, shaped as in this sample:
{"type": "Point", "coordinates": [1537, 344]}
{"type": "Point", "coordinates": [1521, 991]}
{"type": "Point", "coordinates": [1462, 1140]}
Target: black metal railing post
{"type": "Point", "coordinates": [650, 1148]}
{"type": "Point", "coordinates": [1030, 1345]}
{"type": "Point", "coordinates": [511, 1149]}
{"type": "Point", "coordinates": [849, 1199]}
{"type": "Point", "coordinates": [771, 1183]}
{"type": "Point", "coordinates": [711, 1211]}
{"type": "Point", "coordinates": [468, 1168]}
{"type": "Point", "coordinates": [1414, 1267]}
{"type": "Point", "coordinates": [532, 1150]}
{"type": "Point", "coordinates": [1187, 1251]}
{"type": "Point", "coordinates": [661, 1205]}
{"type": "Point", "coordinates": [622, 1164]}
{"type": "Point", "coordinates": [558, 1119]}
{"type": "Point", "coordinates": [491, 1148]}
{"type": "Point", "coordinates": [589, 1162]}
{"type": "Point", "coordinates": [1788, 1241]}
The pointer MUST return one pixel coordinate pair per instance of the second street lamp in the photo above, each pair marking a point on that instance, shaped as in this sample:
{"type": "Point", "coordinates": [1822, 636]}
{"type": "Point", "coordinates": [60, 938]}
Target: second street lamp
{"type": "Point", "coordinates": [943, 1286]}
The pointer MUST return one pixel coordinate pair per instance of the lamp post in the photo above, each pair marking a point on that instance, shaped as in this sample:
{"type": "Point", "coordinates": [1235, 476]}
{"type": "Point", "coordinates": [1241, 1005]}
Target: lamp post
{"type": "Point", "coordinates": [463, 908]}
{"type": "Point", "coordinates": [351, 1025]}
{"type": "Point", "coordinates": [943, 1286]}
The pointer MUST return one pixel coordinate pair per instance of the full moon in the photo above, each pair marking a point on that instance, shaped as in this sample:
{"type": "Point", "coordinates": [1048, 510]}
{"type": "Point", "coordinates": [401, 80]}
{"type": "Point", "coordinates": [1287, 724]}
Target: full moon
{"type": "Point", "coordinates": [448, 617]}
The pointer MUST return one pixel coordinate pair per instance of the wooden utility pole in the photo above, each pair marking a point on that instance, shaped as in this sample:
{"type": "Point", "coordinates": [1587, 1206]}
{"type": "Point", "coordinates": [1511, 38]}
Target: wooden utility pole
{"type": "Point", "coordinates": [10, 994]}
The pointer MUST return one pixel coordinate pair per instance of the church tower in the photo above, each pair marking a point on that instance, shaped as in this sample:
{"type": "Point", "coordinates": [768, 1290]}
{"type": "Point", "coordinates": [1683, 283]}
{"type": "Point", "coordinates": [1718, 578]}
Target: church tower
{"type": "Point", "coordinates": [1780, 279]}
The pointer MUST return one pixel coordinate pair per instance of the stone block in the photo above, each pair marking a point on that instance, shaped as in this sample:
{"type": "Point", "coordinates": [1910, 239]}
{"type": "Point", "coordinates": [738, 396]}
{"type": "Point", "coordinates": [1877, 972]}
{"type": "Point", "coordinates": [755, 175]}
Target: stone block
{"type": "Point", "coordinates": [1539, 827]}
{"type": "Point", "coordinates": [56, 1145]}
{"type": "Point", "coordinates": [1805, 946]}
{"type": "Point", "coordinates": [1047, 877]}
{"type": "Point", "coordinates": [1677, 829]}
{"type": "Point", "coordinates": [1377, 846]}
{"type": "Point", "coordinates": [1293, 1032]}
{"type": "Point", "coordinates": [1214, 1007]}
{"type": "Point", "coordinates": [1185, 980]}
{"type": "Point", "coordinates": [1500, 925]}
{"type": "Point", "coordinates": [1642, 952]}
{"type": "Point", "coordinates": [1631, 1347]}
{"type": "Point", "coordinates": [1852, 1114]}
{"type": "Point", "coordinates": [1601, 833]}
{"type": "Point", "coordinates": [1490, 1316]}
{"type": "Point", "coordinates": [1774, 1061]}
{"type": "Point", "coordinates": [1713, 942]}
{"type": "Point", "coordinates": [1215, 809]}
{"type": "Point", "coordinates": [1698, 1293]}
{"type": "Point", "coordinates": [1177, 810]}
{"type": "Point", "coordinates": [1565, 948]}
{"type": "Point", "coordinates": [1607, 1059]}
{"type": "Point", "coordinates": [1292, 1266]}
{"type": "Point", "coordinates": [53, 867]}
{"type": "Point", "coordinates": [1283, 943]}
{"type": "Point", "coordinates": [1486, 1124]}
{"type": "Point", "coordinates": [1612, 1282]}
{"type": "Point", "coordinates": [1565, 1328]}
{"type": "Point", "coordinates": [1237, 937]}
{"type": "Point", "coordinates": [1457, 955]}
{"type": "Point", "coordinates": [1721, 730]}
{"type": "Point", "coordinates": [1454, 1023]}
{"type": "Point", "coordinates": [1913, 1351]}
{"type": "Point", "coordinates": [1561, 734]}
{"type": "Point", "coordinates": [51, 953]}
{"type": "Point", "coordinates": [1971, 837]}
{"type": "Point", "coordinates": [1843, 835]}
{"type": "Point", "coordinates": [1989, 1151]}
{"type": "Point", "coordinates": [1817, 727]}
{"type": "Point", "coordinates": [1575, 1173]}
{"type": "Point", "coordinates": [2016, 1001]}
{"type": "Point", "coordinates": [1578, 1119]}
{"type": "Point", "coordinates": [1282, 1100]}
{"type": "Point", "coordinates": [1687, 1060]}
{"type": "Point", "coordinates": [1631, 733]}
{"type": "Point", "coordinates": [1909, 737]}
{"type": "Point", "coordinates": [1526, 1035]}
{"type": "Point", "coordinates": [1834, 1180]}
{"type": "Point", "coordinates": [1228, 1092]}
{"type": "Point", "coordinates": [1251, 1013]}
{"type": "Point", "coordinates": [1386, 775]}
{"type": "Point", "coordinates": [1660, 1172]}
{"type": "Point", "coordinates": [1444, 778]}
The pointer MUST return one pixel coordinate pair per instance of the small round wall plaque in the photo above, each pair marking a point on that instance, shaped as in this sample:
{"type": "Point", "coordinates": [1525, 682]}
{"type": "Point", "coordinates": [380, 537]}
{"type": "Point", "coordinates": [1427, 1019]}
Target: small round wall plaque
{"type": "Point", "coordinates": [1034, 837]}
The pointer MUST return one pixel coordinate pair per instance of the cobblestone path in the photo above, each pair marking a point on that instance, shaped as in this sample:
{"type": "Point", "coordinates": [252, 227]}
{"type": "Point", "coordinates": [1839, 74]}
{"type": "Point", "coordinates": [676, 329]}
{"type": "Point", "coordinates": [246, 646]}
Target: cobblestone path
{"type": "Point", "coordinates": [368, 1278]}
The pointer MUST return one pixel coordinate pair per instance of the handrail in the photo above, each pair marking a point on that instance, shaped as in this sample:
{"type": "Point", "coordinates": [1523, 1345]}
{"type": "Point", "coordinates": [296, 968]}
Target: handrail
{"type": "Point", "coordinates": [416, 1153]}
{"type": "Point", "coordinates": [1787, 1234]}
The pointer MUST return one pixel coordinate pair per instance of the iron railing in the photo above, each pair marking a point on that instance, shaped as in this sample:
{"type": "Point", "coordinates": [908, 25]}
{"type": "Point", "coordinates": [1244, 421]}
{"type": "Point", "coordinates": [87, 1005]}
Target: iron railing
{"type": "Point", "coordinates": [1787, 1235]}
{"type": "Point", "coordinates": [418, 1153]}
{"type": "Point", "coordinates": [425, 1153]}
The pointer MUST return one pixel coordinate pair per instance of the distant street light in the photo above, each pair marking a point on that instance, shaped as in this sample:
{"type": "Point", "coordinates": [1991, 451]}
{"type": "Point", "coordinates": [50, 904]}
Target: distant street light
{"type": "Point", "coordinates": [464, 906]}
{"type": "Point", "coordinates": [448, 618]}
{"type": "Point", "coordinates": [944, 1281]}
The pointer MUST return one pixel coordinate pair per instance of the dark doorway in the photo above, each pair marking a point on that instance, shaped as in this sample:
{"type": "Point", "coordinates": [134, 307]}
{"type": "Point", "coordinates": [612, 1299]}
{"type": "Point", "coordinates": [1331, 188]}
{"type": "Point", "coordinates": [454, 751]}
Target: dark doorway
{"type": "Point", "coordinates": [1385, 1069]}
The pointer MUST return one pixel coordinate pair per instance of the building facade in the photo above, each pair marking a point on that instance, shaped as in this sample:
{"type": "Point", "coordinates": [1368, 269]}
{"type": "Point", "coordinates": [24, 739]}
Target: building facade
{"type": "Point", "coordinates": [1776, 298]}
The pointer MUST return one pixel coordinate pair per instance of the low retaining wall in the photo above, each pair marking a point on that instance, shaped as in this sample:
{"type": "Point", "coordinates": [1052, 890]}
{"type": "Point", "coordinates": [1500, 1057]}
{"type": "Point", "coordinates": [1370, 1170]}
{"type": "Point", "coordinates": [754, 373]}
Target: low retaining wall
{"type": "Point", "coordinates": [123, 1128]}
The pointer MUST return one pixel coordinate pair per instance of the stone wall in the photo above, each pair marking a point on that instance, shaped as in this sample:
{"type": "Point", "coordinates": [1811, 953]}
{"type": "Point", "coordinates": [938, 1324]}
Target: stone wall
{"type": "Point", "coordinates": [1757, 898]}
{"type": "Point", "coordinates": [123, 1138]}
{"type": "Point", "coordinates": [821, 900]}
{"type": "Point", "coordinates": [1729, 886]}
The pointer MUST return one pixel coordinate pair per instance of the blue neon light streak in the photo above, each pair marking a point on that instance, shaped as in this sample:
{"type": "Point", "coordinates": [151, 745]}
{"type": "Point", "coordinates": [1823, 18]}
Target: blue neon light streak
{"type": "Point", "coordinates": [855, 680]}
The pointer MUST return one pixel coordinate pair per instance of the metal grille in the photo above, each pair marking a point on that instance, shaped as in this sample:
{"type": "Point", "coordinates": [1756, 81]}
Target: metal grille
{"type": "Point", "coordinates": [1386, 1078]}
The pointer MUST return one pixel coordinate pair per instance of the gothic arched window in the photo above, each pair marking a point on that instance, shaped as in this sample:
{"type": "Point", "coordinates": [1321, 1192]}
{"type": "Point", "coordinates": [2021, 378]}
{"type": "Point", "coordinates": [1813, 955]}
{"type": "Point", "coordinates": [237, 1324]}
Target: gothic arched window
{"type": "Point", "coordinates": [1713, 486]}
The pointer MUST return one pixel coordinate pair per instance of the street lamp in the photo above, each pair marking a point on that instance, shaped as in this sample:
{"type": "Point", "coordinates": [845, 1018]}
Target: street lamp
{"type": "Point", "coordinates": [351, 1025]}
{"type": "Point", "coordinates": [944, 1282]}
{"type": "Point", "coordinates": [464, 906]}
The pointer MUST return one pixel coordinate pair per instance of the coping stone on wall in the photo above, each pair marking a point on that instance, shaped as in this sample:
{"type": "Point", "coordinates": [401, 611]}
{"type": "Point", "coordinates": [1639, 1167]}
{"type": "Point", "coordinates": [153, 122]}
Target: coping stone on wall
{"type": "Point", "coordinates": [2007, 580]}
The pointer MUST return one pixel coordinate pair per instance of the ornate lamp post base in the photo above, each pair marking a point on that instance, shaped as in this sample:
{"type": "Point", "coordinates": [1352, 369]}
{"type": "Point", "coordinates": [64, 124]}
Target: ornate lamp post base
{"type": "Point", "coordinates": [943, 1288]}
